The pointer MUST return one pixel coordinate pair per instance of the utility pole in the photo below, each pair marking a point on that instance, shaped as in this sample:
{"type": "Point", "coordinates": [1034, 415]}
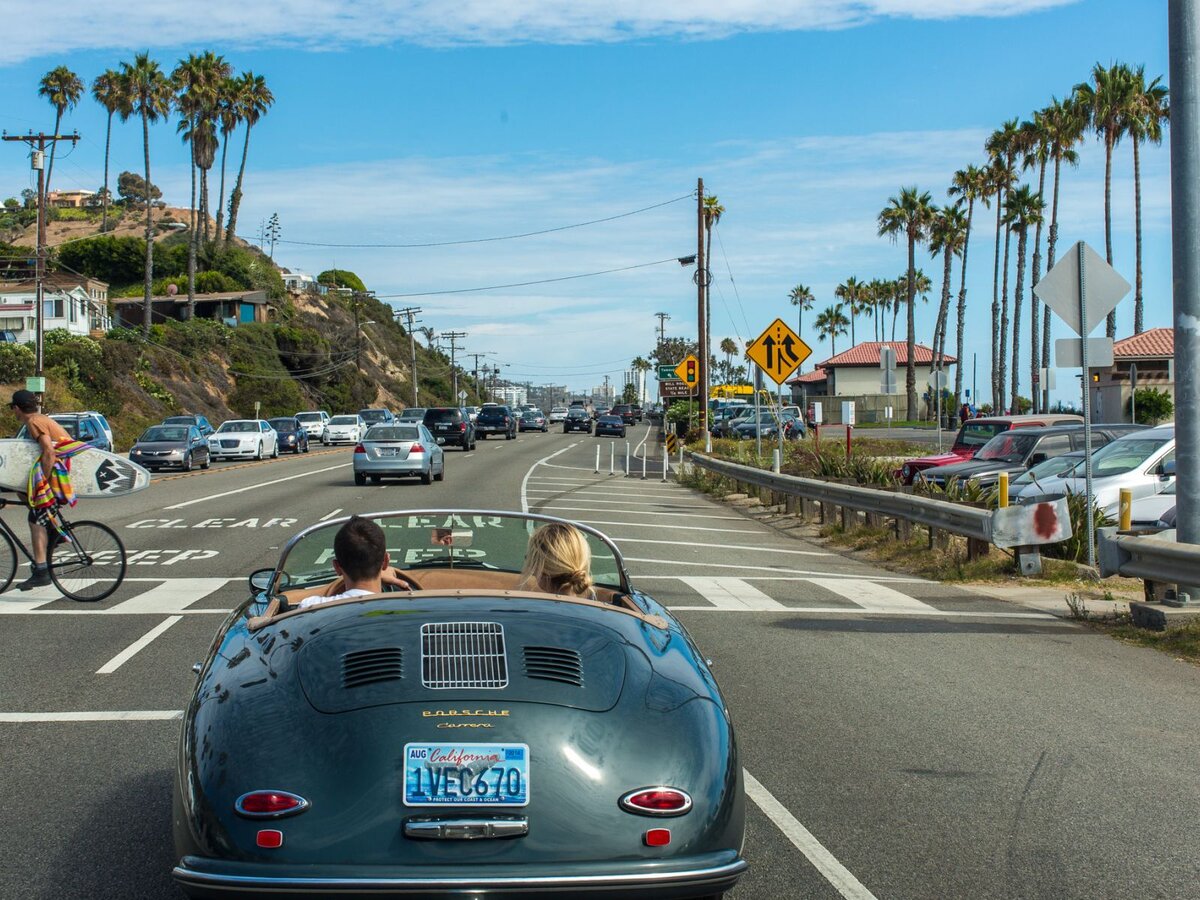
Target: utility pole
{"type": "Point", "coordinates": [662, 329]}
{"type": "Point", "coordinates": [354, 297]}
{"type": "Point", "coordinates": [475, 367]}
{"type": "Point", "coordinates": [495, 374]}
{"type": "Point", "coordinates": [452, 337]}
{"type": "Point", "coordinates": [702, 279]}
{"type": "Point", "coordinates": [1183, 25]}
{"type": "Point", "coordinates": [409, 312]}
{"type": "Point", "coordinates": [37, 144]}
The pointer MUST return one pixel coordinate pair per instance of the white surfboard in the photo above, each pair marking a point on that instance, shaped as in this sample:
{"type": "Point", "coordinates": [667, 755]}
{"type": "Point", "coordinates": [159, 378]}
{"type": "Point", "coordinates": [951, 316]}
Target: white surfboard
{"type": "Point", "coordinates": [94, 473]}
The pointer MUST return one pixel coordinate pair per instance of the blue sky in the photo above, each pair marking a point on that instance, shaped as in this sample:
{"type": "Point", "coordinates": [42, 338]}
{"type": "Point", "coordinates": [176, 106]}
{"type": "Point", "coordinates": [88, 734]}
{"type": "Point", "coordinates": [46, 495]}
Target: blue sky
{"type": "Point", "coordinates": [405, 122]}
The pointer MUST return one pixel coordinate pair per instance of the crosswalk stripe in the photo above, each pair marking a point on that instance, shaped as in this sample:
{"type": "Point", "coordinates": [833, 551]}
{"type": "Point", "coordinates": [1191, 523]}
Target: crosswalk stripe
{"type": "Point", "coordinates": [732, 593]}
{"type": "Point", "coordinates": [172, 596]}
{"type": "Point", "coordinates": [871, 595]}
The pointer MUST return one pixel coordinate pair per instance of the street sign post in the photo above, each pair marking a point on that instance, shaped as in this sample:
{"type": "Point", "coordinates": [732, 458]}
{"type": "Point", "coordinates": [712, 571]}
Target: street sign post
{"type": "Point", "coordinates": [937, 383]}
{"type": "Point", "coordinates": [667, 372]}
{"type": "Point", "coordinates": [887, 370]}
{"type": "Point", "coordinates": [1133, 393]}
{"type": "Point", "coordinates": [1082, 288]}
{"type": "Point", "coordinates": [778, 351]}
{"type": "Point", "coordinates": [462, 395]}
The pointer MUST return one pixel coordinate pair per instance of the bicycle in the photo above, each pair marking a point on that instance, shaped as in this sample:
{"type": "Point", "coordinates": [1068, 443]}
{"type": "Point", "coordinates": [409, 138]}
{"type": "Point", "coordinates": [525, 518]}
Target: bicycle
{"type": "Point", "coordinates": [86, 559]}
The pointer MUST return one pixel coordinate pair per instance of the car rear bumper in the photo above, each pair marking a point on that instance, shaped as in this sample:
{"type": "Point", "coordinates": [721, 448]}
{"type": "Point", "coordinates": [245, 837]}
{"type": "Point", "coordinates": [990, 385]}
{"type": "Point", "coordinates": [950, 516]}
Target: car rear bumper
{"type": "Point", "coordinates": [236, 452]}
{"type": "Point", "coordinates": [711, 873]}
{"type": "Point", "coordinates": [340, 439]}
{"type": "Point", "coordinates": [390, 465]}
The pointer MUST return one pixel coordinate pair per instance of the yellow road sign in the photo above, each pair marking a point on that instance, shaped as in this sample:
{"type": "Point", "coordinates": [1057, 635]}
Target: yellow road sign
{"type": "Point", "coordinates": [778, 351]}
{"type": "Point", "coordinates": [689, 370]}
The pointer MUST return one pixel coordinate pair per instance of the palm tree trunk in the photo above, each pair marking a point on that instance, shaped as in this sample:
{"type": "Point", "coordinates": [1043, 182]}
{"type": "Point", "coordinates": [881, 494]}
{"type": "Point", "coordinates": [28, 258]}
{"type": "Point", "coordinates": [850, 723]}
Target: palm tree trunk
{"type": "Point", "coordinates": [53, 147]}
{"type": "Point", "coordinates": [962, 310]}
{"type": "Point", "coordinates": [1051, 240]}
{"type": "Point", "coordinates": [1110, 324]}
{"type": "Point", "coordinates": [104, 199]}
{"type": "Point", "coordinates": [910, 369]}
{"type": "Point", "coordinates": [939, 330]}
{"type": "Point", "coordinates": [1035, 346]}
{"type": "Point", "coordinates": [853, 316]}
{"type": "Point", "coordinates": [147, 308]}
{"type": "Point", "coordinates": [235, 199]}
{"type": "Point", "coordinates": [996, 402]}
{"type": "Point", "coordinates": [895, 316]}
{"type": "Point", "coordinates": [1002, 375]}
{"type": "Point", "coordinates": [221, 193]}
{"type": "Point", "coordinates": [204, 213]}
{"type": "Point", "coordinates": [1022, 239]}
{"type": "Point", "coordinates": [192, 239]}
{"type": "Point", "coordinates": [1138, 326]}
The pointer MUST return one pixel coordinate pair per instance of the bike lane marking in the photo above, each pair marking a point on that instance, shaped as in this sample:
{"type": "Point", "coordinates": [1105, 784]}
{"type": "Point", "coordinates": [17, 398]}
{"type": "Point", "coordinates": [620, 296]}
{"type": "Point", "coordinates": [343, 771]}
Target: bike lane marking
{"type": "Point", "coordinates": [140, 644]}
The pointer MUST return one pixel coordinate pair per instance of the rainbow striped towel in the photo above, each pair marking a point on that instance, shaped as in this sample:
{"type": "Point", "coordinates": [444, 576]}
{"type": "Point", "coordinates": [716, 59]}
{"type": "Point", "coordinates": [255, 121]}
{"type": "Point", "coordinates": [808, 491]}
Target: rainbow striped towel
{"type": "Point", "coordinates": [56, 489]}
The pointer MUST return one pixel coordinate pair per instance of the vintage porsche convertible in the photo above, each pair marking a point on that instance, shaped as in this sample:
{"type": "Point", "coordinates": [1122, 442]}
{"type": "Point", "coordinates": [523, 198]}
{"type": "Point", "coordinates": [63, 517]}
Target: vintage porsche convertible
{"type": "Point", "coordinates": [462, 739]}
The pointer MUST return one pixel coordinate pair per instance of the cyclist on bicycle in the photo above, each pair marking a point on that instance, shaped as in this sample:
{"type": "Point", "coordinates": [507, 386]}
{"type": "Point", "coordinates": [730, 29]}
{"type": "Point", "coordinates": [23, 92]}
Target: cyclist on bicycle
{"type": "Point", "coordinates": [49, 435]}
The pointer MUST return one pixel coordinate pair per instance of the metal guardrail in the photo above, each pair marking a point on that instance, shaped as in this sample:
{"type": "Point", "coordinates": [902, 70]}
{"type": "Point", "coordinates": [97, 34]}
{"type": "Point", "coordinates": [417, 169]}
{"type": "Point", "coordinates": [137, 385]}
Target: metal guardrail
{"type": "Point", "coordinates": [1155, 557]}
{"type": "Point", "coordinates": [937, 514]}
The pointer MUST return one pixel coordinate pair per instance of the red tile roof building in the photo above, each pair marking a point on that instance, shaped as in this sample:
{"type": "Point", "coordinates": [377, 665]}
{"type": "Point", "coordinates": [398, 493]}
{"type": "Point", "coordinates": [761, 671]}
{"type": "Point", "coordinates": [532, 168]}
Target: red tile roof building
{"type": "Point", "coordinates": [1157, 343]}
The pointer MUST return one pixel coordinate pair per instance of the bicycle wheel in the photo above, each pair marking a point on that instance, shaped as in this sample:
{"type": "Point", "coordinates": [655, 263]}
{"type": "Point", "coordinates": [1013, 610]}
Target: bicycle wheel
{"type": "Point", "coordinates": [8, 561]}
{"type": "Point", "coordinates": [87, 562]}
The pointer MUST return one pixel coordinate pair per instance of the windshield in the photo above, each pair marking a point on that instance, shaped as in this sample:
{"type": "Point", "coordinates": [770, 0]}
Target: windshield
{"type": "Point", "coordinates": [1010, 447]}
{"type": "Point", "coordinates": [393, 433]}
{"type": "Point", "coordinates": [282, 424]}
{"type": "Point", "coordinates": [343, 420]}
{"type": "Point", "coordinates": [179, 420]}
{"type": "Point", "coordinates": [164, 433]}
{"type": "Point", "coordinates": [1050, 468]}
{"type": "Point", "coordinates": [413, 412]}
{"type": "Point", "coordinates": [238, 425]}
{"type": "Point", "coordinates": [1125, 455]}
{"type": "Point", "coordinates": [493, 412]}
{"type": "Point", "coordinates": [975, 434]}
{"type": "Point", "coordinates": [489, 541]}
{"type": "Point", "coordinates": [309, 417]}
{"type": "Point", "coordinates": [373, 415]}
{"type": "Point", "coordinates": [443, 415]}
{"type": "Point", "coordinates": [531, 415]}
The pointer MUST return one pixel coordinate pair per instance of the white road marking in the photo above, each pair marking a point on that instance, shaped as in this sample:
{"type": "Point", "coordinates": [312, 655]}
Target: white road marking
{"type": "Point", "coordinates": [871, 596]}
{"type": "Point", "coordinates": [529, 471]}
{"type": "Point", "coordinates": [759, 568]}
{"type": "Point", "coordinates": [172, 597]}
{"type": "Point", "coordinates": [826, 863]}
{"type": "Point", "coordinates": [25, 601]}
{"type": "Point", "coordinates": [330, 516]}
{"type": "Point", "coordinates": [643, 512]}
{"type": "Point", "coordinates": [859, 611]}
{"type": "Point", "coordinates": [587, 497]}
{"type": "Point", "coordinates": [732, 593]}
{"type": "Point", "coordinates": [723, 546]}
{"type": "Point", "coordinates": [659, 526]}
{"type": "Point", "coordinates": [255, 487]}
{"type": "Point", "coordinates": [116, 715]}
{"type": "Point", "coordinates": [140, 644]}
{"type": "Point", "coordinates": [892, 579]}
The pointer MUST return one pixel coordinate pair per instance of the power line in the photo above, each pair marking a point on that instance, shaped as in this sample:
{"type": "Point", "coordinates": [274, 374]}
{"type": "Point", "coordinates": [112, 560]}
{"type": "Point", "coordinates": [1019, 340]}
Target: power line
{"type": "Point", "coordinates": [497, 287]}
{"type": "Point", "coordinates": [488, 240]}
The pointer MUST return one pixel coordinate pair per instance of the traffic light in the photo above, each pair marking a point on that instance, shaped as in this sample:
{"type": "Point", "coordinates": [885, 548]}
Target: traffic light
{"type": "Point", "coordinates": [690, 373]}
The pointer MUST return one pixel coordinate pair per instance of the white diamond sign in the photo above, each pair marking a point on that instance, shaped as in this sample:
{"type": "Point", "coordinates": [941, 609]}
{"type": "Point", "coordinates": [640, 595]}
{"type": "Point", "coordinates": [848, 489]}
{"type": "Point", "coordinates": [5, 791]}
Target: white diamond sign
{"type": "Point", "coordinates": [1103, 288]}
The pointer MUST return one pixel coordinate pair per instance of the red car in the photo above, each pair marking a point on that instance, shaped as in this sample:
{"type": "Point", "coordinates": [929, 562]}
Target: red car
{"type": "Point", "coordinates": [973, 434]}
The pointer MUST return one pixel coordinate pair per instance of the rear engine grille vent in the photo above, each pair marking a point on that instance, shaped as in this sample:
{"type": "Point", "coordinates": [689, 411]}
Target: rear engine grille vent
{"type": "Point", "coordinates": [369, 666]}
{"type": "Point", "coordinates": [463, 655]}
{"type": "Point", "coordinates": [554, 664]}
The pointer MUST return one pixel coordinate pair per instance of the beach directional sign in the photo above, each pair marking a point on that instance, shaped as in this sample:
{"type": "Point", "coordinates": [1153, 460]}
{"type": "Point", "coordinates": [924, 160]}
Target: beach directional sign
{"type": "Point", "coordinates": [667, 372]}
{"type": "Point", "coordinates": [1060, 289]}
{"type": "Point", "coordinates": [688, 371]}
{"type": "Point", "coordinates": [778, 351]}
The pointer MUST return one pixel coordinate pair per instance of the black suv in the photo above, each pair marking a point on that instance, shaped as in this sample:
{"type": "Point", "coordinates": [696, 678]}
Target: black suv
{"type": "Point", "coordinates": [451, 425]}
{"type": "Point", "coordinates": [577, 420]}
{"type": "Point", "coordinates": [625, 411]}
{"type": "Point", "coordinates": [496, 420]}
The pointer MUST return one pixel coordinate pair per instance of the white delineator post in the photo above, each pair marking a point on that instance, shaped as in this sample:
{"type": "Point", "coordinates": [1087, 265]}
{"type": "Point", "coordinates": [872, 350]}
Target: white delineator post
{"type": "Point", "coordinates": [627, 459]}
{"type": "Point", "coordinates": [612, 459]}
{"type": "Point", "coordinates": [597, 459]}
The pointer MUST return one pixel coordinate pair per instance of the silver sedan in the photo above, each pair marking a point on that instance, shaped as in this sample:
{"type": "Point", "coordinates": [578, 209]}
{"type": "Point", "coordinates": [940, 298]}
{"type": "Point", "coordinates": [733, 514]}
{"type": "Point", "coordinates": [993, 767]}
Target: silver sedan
{"type": "Point", "coordinates": [396, 451]}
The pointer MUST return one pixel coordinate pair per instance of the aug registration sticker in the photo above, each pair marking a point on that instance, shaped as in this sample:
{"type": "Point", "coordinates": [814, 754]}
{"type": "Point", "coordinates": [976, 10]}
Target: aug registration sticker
{"type": "Point", "coordinates": [466, 774]}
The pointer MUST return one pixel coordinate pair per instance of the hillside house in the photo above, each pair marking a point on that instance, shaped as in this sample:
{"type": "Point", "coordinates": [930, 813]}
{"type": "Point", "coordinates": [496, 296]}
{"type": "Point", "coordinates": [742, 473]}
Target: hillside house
{"type": "Point", "coordinates": [230, 307]}
{"type": "Point", "coordinates": [76, 304]}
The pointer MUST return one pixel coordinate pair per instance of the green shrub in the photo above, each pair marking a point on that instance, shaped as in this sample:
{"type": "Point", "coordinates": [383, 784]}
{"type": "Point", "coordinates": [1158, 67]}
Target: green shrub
{"type": "Point", "coordinates": [1153, 406]}
{"type": "Point", "coordinates": [341, 278]}
{"type": "Point", "coordinates": [17, 362]}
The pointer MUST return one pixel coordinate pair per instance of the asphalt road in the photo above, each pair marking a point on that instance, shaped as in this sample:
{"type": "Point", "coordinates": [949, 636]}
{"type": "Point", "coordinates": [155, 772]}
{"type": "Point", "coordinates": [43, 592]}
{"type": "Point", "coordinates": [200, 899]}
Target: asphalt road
{"type": "Point", "coordinates": [903, 739]}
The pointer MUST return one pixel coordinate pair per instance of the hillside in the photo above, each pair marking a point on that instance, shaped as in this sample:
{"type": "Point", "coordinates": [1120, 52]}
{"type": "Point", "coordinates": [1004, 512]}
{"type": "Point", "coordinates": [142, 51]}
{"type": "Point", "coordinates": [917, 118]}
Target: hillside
{"type": "Point", "coordinates": [307, 356]}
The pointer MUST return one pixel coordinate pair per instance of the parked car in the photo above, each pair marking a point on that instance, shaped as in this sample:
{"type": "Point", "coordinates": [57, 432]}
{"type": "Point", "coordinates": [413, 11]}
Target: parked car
{"type": "Point", "coordinates": [496, 420]}
{"type": "Point", "coordinates": [973, 434]}
{"type": "Point", "coordinates": [346, 429]}
{"type": "Point", "coordinates": [451, 425]}
{"type": "Point", "coordinates": [767, 426]}
{"type": "Point", "coordinates": [533, 420]}
{"type": "Point", "coordinates": [1049, 468]}
{"type": "Point", "coordinates": [730, 419]}
{"type": "Point", "coordinates": [200, 422]}
{"type": "Point", "coordinates": [396, 451]}
{"type": "Point", "coordinates": [84, 427]}
{"type": "Point", "coordinates": [314, 422]}
{"type": "Point", "coordinates": [103, 420]}
{"type": "Point", "coordinates": [1154, 511]}
{"type": "Point", "coordinates": [1016, 450]}
{"type": "Point", "coordinates": [292, 435]}
{"type": "Point", "coordinates": [243, 439]}
{"type": "Point", "coordinates": [378, 416]}
{"type": "Point", "coordinates": [412, 414]}
{"type": "Point", "coordinates": [163, 446]}
{"type": "Point", "coordinates": [625, 411]}
{"type": "Point", "coordinates": [577, 420]}
{"type": "Point", "coordinates": [613, 424]}
{"type": "Point", "coordinates": [557, 414]}
{"type": "Point", "coordinates": [1143, 461]}
{"type": "Point", "coordinates": [606, 730]}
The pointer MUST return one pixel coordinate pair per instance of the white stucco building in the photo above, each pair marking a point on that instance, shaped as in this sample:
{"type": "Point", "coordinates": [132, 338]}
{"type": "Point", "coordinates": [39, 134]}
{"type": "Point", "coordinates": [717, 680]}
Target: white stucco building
{"type": "Point", "coordinates": [76, 304]}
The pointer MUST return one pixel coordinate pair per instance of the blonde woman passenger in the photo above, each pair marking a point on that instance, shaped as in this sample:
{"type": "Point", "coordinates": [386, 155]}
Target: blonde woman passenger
{"type": "Point", "coordinates": [558, 561]}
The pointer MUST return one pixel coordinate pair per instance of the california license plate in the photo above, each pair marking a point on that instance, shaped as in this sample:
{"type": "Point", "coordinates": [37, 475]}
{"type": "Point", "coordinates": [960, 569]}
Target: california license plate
{"type": "Point", "coordinates": [466, 774]}
{"type": "Point", "coordinates": [388, 451]}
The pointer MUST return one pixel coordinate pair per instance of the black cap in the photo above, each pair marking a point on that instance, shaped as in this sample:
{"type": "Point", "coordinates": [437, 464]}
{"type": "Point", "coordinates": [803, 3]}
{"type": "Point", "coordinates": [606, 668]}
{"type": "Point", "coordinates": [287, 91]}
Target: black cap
{"type": "Point", "coordinates": [26, 401]}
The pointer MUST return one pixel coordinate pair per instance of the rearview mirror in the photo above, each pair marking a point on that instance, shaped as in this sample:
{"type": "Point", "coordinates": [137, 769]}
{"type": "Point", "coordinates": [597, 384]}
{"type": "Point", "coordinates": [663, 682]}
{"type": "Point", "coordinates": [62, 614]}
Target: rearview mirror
{"type": "Point", "coordinates": [261, 580]}
{"type": "Point", "coordinates": [448, 537]}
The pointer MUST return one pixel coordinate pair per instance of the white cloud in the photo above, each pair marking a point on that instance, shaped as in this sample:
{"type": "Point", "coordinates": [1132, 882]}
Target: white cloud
{"type": "Point", "coordinates": [321, 24]}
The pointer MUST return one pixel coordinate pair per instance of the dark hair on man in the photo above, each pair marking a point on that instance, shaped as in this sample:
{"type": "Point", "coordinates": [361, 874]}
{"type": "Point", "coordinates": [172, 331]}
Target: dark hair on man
{"type": "Point", "coordinates": [25, 401]}
{"type": "Point", "coordinates": [359, 547]}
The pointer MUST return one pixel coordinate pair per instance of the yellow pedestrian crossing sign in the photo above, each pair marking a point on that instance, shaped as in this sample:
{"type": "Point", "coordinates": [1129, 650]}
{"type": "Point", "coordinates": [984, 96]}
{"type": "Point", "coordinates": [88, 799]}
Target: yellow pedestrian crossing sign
{"type": "Point", "coordinates": [689, 371]}
{"type": "Point", "coordinates": [778, 351]}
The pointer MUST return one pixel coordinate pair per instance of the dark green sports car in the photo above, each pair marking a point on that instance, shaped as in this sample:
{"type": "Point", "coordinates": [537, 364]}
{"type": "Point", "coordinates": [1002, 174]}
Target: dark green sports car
{"type": "Point", "coordinates": [467, 738]}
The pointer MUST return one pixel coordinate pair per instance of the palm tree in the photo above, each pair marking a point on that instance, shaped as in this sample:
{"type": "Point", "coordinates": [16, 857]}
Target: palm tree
{"type": "Point", "coordinates": [1023, 209]}
{"type": "Point", "coordinates": [729, 347]}
{"type": "Point", "coordinates": [801, 298]}
{"type": "Point", "coordinates": [830, 323]}
{"type": "Point", "coordinates": [911, 212]}
{"type": "Point", "coordinates": [1037, 153]}
{"type": "Point", "coordinates": [230, 117]}
{"type": "Point", "coordinates": [62, 88]}
{"type": "Point", "coordinates": [1106, 102]}
{"type": "Point", "coordinates": [1003, 147]}
{"type": "Point", "coordinates": [713, 210]}
{"type": "Point", "coordinates": [188, 81]}
{"type": "Point", "coordinates": [1145, 115]}
{"type": "Point", "coordinates": [1065, 122]}
{"type": "Point", "coordinates": [881, 291]}
{"type": "Point", "coordinates": [109, 92]}
{"type": "Point", "coordinates": [149, 93]}
{"type": "Point", "coordinates": [851, 292]}
{"type": "Point", "coordinates": [253, 99]}
{"type": "Point", "coordinates": [969, 184]}
{"type": "Point", "coordinates": [947, 236]}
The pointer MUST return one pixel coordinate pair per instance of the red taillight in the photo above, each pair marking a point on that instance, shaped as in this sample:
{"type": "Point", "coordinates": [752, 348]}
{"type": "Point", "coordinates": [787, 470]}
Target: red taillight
{"type": "Point", "coordinates": [269, 804]}
{"type": "Point", "coordinates": [415, 448]}
{"type": "Point", "coordinates": [272, 838]}
{"type": "Point", "coordinates": [657, 801]}
{"type": "Point", "coordinates": [359, 448]}
{"type": "Point", "coordinates": [656, 837]}
{"type": "Point", "coordinates": [462, 426]}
